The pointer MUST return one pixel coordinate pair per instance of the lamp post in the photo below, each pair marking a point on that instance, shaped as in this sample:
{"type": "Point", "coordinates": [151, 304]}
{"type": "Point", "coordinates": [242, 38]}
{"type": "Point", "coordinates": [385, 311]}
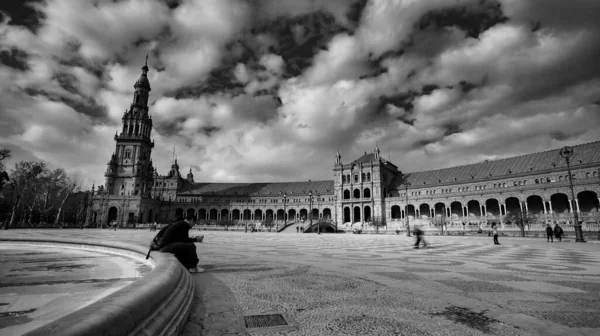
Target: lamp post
{"type": "Point", "coordinates": [406, 184]}
{"type": "Point", "coordinates": [310, 215]}
{"type": "Point", "coordinates": [335, 212]}
{"type": "Point", "coordinates": [284, 209]}
{"type": "Point", "coordinates": [566, 153]}
{"type": "Point", "coordinates": [318, 213]}
{"type": "Point", "coordinates": [247, 208]}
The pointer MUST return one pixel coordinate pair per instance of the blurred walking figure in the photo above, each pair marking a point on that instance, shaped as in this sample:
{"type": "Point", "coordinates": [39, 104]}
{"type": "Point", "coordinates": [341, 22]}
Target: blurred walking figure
{"type": "Point", "coordinates": [549, 234]}
{"type": "Point", "coordinates": [558, 232]}
{"type": "Point", "coordinates": [495, 232]}
{"type": "Point", "coordinates": [419, 235]}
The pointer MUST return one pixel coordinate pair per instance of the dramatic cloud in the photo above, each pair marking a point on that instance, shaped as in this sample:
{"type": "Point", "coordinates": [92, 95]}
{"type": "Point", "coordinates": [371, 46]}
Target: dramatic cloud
{"type": "Point", "coordinates": [249, 90]}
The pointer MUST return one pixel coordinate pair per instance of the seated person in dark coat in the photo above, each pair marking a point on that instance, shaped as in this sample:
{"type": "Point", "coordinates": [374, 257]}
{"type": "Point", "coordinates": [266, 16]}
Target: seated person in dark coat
{"type": "Point", "coordinates": [176, 240]}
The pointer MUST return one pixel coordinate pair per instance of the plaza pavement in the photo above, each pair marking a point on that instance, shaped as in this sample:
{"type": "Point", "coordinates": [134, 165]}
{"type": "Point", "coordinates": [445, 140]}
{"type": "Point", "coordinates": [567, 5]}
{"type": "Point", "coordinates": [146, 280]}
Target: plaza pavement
{"type": "Point", "coordinates": [41, 284]}
{"type": "Point", "coordinates": [348, 284]}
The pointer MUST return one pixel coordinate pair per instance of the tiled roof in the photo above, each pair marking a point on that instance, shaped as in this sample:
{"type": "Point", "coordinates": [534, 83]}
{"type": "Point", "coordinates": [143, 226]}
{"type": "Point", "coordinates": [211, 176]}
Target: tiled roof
{"type": "Point", "coordinates": [528, 163]}
{"type": "Point", "coordinates": [263, 189]}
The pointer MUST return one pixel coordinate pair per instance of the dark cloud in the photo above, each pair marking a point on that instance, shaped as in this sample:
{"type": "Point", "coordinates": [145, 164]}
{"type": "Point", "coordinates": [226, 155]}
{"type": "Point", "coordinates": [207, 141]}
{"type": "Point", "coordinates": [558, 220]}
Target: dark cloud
{"type": "Point", "coordinates": [85, 106]}
{"type": "Point", "coordinates": [473, 18]}
{"type": "Point", "coordinates": [14, 58]}
{"type": "Point", "coordinates": [23, 13]}
{"type": "Point", "coordinates": [450, 129]}
{"type": "Point", "coordinates": [300, 38]}
{"type": "Point", "coordinates": [355, 11]}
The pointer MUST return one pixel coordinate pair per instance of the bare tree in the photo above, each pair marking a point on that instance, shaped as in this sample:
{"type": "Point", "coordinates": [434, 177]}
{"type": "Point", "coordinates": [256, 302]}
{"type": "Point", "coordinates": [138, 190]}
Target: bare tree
{"type": "Point", "coordinates": [521, 218]}
{"type": "Point", "coordinates": [24, 173]}
{"type": "Point", "coordinates": [4, 154]}
{"type": "Point", "coordinates": [72, 184]}
{"type": "Point", "coordinates": [53, 182]}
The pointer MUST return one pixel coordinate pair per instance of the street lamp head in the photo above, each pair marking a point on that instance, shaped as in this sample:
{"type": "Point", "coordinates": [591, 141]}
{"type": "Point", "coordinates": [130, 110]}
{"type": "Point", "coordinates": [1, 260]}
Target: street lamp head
{"type": "Point", "coordinates": [566, 152]}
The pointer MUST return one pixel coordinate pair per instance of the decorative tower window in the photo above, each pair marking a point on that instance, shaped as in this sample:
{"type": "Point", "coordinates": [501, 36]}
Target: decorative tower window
{"type": "Point", "coordinates": [128, 154]}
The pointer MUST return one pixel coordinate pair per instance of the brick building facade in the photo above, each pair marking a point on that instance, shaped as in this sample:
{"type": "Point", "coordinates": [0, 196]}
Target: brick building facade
{"type": "Point", "coordinates": [366, 190]}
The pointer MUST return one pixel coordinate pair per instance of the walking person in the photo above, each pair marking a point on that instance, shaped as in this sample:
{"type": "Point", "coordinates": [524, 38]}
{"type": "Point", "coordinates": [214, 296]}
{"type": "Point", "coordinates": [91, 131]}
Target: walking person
{"type": "Point", "coordinates": [558, 232]}
{"type": "Point", "coordinates": [495, 233]}
{"type": "Point", "coordinates": [419, 235]}
{"type": "Point", "coordinates": [549, 234]}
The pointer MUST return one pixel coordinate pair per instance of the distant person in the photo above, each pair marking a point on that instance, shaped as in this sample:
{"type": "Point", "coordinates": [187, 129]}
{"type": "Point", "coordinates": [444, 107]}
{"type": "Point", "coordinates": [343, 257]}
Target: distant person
{"type": "Point", "coordinates": [558, 232]}
{"type": "Point", "coordinates": [176, 240]}
{"type": "Point", "coordinates": [549, 234]}
{"type": "Point", "coordinates": [297, 229]}
{"type": "Point", "coordinates": [419, 235]}
{"type": "Point", "coordinates": [495, 233]}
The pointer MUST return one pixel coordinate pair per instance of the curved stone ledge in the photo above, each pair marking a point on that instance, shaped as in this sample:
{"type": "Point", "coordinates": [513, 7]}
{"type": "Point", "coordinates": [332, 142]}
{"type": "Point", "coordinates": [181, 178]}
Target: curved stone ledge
{"type": "Point", "coordinates": [157, 304]}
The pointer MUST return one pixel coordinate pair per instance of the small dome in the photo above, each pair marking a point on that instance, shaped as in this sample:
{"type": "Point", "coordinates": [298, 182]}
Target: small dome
{"type": "Point", "coordinates": [142, 82]}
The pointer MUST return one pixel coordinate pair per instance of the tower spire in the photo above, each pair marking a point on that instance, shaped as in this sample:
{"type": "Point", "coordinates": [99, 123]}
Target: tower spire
{"type": "Point", "coordinates": [146, 64]}
{"type": "Point", "coordinates": [174, 155]}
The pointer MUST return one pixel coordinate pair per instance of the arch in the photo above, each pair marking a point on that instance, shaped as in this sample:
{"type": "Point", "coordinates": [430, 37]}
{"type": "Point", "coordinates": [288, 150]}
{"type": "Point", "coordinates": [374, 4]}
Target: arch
{"type": "Point", "coordinates": [280, 215]}
{"type": "Point", "coordinates": [315, 213]}
{"type": "Point", "coordinates": [396, 212]}
{"type": "Point", "coordinates": [424, 210]}
{"type": "Point", "coordinates": [456, 209]}
{"type": "Point", "coordinates": [178, 214]}
{"type": "Point", "coordinates": [492, 207]}
{"type": "Point", "coordinates": [560, 203]}
{"type": "Point", "coordinates": [356, 214]}
{"type": "Point", "coordinates": [535, 204]}
{"type": "Point", "coordinates": [150, 216]}
{"type": "Point", "coordinates": [190, 212]}
{"type": "Point", "coordinates": [235, 214]}
{"type": "Point", "coordinates": [346, 194]}
{"type": "Point", "coordinates": [512, 205]}
{"type": "Point", "coordinates": [326, 213]}
{"type": "Point", "coordinates": [474, 208]}
{"type": "Point", "coordinates": [440, 208]}
{"type": "Point", "coordinates": [212, 214]}
{"type": "Point", "coordinates": [303, 214]}
{"type": "Point", "coordinates": [367, 212]}
{"type": "Point", "coordinates": [247, 214]}
{"type": "Point", "coordinates": [224, 213]}
{"type": "Point", "coordinates": [367, 193]}
{"type": "Point", "coordinates": [113, 213]}
{"type": "Point", "coordinates": [588, 201]}
{"type": "Point", "coordinates": [347, 217]}
{"type": "Point", "coordinates": [258, 214]}
{"type": "Point", "coordinates": [269, 214]}
{"type": "Point", "coordinates": [410, 210]}
{"type": "Point", "coordinates": [292, 214]}
{"type": "Point", "coordinates": [356, 193]}
{"type": "Point", "coordinates": [202, 213]}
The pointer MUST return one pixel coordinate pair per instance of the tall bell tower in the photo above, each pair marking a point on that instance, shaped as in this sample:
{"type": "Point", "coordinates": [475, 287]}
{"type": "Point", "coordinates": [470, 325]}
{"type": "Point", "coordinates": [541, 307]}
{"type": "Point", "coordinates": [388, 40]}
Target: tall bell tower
{"type": "Point", "coordinates": [130, 170]}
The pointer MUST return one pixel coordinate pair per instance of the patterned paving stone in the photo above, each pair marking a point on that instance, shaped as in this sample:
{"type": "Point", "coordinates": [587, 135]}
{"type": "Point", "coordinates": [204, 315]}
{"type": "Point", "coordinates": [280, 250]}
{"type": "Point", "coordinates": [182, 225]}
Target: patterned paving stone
{"type": "Point", "coordinates": [493, 276]}
{"type": "Point", "coordinates": [399, 275]}
{"type": "Point", "coordinates": [537, 286]}
{"type": "Point", "coordinates": [572, 319]}
{"type": "Point", "coordinates": [477, 286]}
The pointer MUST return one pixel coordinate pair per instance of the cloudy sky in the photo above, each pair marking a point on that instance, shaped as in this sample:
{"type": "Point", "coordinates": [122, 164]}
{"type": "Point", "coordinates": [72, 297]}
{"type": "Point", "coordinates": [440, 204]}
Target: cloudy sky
{"type": "Point", "coordinates": [269, 90]}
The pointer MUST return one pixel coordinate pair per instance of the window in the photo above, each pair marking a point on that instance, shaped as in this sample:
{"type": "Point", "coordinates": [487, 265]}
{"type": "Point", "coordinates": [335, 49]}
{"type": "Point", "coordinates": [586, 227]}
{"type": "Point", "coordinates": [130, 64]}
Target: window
{"type": "Point", "coordinates": [128, 153]}
{"type": "Point", "coordinates": [343, 178]}
{"type": "Point", "coordinates": [363, 177]}
{"type": "Point", "coordinates": [368, 177]}
{"type": "Point", "coordinates": [537, 181]}
{"type": "Point", "coordinates": [548, 180]}
{"type": "Point", "coordinates": [356, 178]}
